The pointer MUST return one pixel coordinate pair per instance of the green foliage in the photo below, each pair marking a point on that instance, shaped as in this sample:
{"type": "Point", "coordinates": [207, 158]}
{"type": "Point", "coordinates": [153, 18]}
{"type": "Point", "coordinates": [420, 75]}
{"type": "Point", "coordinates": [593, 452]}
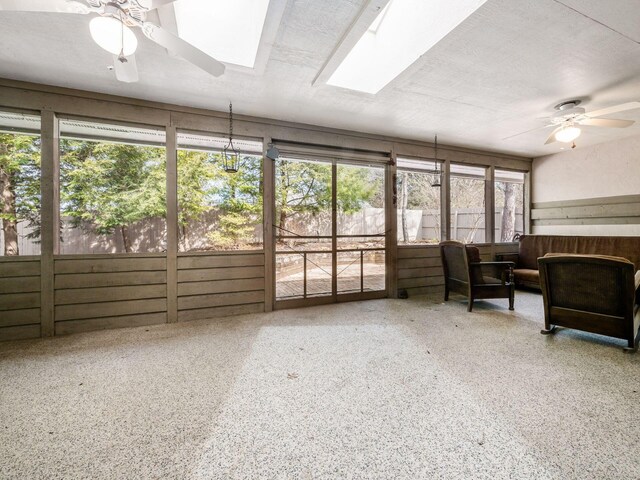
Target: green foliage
{"type": "Point", "coordinates": [232, 231]}
{"type": "Point", "coordinates": [235, 198]}
{"type": "Point", "coordinates": [302, 187]}
{"type": "Point", "coordinates": [357, 187]}
{"type": "Point", "coordinates": [20, 162]}
{"type": "Point", "coordinates": [305, 188]}
{"type": "Point", "coordinates": [194, 175]}
{"type": "Point", "coordinates": [107, 186]}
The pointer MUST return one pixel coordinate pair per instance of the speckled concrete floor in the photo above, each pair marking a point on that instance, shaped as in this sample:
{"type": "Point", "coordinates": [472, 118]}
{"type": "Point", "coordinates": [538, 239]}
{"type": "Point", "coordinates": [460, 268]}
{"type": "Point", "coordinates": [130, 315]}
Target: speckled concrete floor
{"type": "Point", "coordinates": [402, 389]}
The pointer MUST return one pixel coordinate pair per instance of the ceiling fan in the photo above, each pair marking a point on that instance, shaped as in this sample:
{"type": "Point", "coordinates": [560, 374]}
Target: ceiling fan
{"type": "Point", "coordinates": [569, 116]}
{"type": "Point", "coordinates": [111, 29]}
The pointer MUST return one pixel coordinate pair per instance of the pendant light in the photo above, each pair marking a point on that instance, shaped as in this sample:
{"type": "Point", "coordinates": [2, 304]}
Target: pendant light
{"type": "Point", "coordinates": [437, 182]}
{"type": "Point", "coordinates": [230, 155]}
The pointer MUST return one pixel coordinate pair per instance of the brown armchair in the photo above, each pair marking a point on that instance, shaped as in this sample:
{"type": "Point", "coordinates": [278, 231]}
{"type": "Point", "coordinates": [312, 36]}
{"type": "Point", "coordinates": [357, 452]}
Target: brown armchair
{"type": "Point", "coordinates": [464, 273]}
{"type": "Point", "coordinates": [593, 293]}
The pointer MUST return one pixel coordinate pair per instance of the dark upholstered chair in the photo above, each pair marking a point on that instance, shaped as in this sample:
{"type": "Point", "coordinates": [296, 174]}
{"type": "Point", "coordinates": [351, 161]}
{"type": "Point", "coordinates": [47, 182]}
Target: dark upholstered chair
{"type": "Point", "coordinates": [592, 293]}
{"type": "Point", "coordinates": [464, 273]}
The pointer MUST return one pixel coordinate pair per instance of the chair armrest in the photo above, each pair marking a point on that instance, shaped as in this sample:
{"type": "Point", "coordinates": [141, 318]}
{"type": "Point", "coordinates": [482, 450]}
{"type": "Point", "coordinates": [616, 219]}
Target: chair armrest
{"type": "Point", "coordinates": [507, 257]}
{"type": "Point", "coordinates": [506, 272]}
{"type": "Point", "coordinates": [505, 264]}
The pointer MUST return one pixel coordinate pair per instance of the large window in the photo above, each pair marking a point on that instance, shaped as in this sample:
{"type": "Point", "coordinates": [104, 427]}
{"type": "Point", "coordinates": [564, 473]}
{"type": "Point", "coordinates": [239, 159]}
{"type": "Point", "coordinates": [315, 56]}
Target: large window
{"type": "Point", "coordinates": [112, 188]}
{"type": "Point", "coordinates": [467, 189]}
{"type": "Point", "coordinates": [418, 190]}
{"type": "Point", "coordinates": [218, 210]}
{"type": "Point", "coordinates": [509, 203]}
{"type": "Point", "coordinates": [19, 184]}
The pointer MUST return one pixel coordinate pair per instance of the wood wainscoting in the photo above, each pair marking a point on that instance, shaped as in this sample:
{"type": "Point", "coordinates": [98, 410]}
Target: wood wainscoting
{"type": "Point", "coordinates": [211, 286]}
{"type": "Point", "coordinates": [96, 292]}
{"type": "Point", "coordinates": [420, 266]}
{"type": "Point", "coordinates": [19, 297]}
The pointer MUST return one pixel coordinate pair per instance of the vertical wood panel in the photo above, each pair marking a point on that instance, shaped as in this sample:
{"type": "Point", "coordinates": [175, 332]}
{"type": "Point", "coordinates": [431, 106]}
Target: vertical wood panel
{"type": "Point", "coordinates": [172, 224]}
{"type": "Point", "coordinates": [50, 217]}
{"type": "Point", "coordinates": [334, 230]}
{"type": "Point", "coordinates": [391, 226]}
{"type": "Point", "coordinates": [445, 202]}
{"type": "Point", "coordinates": [268, 216]}
{"type": "Point", "coordinates": [489, 207]}
{"type": "Point", "coordinates": [527, 203]}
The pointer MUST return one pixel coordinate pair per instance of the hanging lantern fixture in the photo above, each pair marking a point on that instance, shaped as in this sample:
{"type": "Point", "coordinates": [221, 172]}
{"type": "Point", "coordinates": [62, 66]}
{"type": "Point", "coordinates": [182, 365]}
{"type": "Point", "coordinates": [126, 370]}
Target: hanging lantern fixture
{"type": "Point", "coordinates": [438, 171]}
{"type": "Point", "coordinates": [230, 155]}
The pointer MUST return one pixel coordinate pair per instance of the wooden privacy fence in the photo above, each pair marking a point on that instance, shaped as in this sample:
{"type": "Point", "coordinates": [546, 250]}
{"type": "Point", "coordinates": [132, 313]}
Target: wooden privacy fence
{"type": "Point", "coordinates": [423, 226]}
{"type": "Point", "coordinates": [150, 235]}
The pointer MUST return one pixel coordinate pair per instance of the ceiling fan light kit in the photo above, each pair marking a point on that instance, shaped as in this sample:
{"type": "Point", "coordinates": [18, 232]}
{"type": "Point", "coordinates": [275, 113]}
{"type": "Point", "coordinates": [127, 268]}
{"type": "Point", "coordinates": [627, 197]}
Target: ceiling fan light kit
{"type": "Point", "coordinates": [568, 134]}
{"type": "Point", "coordinates": [568, 118]}
{"type": "Point", "coordinates": [113, 35]}
{"type": "Point", "coordinates": [111, 29]}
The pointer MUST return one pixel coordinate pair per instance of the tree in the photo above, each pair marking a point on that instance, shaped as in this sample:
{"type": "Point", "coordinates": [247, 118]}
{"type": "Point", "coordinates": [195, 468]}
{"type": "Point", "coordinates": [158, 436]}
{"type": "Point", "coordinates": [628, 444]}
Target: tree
{"type": "Point", "coordinates": [238, 197]}
{"type": "Point", "coordinates": [301, 187]}
{"type": "Point", "coordinates": [234, 200]}
{"type": "Point", "coordinates": [108, 187]}
{"type": "Point", "coordinates": [303, 192]}
{"type": "Point", "coordinates": [19, 187]}
{"type": "Point", "coordinates": [509, 193]}
{"type": "Point", "coordinates": [194, 174]}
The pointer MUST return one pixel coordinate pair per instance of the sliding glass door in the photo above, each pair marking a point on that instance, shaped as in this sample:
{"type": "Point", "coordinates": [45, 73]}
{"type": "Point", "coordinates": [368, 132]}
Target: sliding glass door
{"type": "Point", "coordinates": [330, 231]}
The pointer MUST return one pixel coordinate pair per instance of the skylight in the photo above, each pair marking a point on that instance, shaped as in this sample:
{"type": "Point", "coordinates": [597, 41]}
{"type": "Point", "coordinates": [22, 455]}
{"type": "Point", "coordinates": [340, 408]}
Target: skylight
{"type": "Point", "coordinates": [402, 32]}
{"type": "Point", "coordinates": [228, 30]}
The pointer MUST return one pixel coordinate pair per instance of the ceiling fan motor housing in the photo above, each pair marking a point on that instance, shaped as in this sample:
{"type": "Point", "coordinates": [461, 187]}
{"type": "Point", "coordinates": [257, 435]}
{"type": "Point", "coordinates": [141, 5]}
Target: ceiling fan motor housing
{"type": "Point", "coordinates": [568, 111]}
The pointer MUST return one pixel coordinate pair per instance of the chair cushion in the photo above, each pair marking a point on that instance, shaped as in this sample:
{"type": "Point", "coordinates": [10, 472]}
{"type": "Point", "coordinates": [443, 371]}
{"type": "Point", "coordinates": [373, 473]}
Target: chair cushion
{"type": "Point", "coordinates": [527, 276]}
{"type": "Point", "coordinates": [492, 281]}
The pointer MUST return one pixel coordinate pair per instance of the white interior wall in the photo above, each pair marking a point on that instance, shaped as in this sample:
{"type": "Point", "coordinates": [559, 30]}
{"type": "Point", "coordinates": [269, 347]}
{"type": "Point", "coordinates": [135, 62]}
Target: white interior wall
{"type": "Point", "coordinates": [605, 170]}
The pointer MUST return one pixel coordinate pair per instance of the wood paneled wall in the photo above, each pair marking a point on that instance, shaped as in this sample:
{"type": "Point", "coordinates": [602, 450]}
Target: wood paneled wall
{"type": "Point", "coordinates": [420, 267]}
{"type": "Point", "coordinates": [618, 210]}
{"type": "Point", "coordinates": [211, 286]}
{"type": "Point", "coordinates": [98, 292]}
{"type": "Point", "coordinates": [19, 297]}
{"type": "Point", "coordinates": [95, 292]}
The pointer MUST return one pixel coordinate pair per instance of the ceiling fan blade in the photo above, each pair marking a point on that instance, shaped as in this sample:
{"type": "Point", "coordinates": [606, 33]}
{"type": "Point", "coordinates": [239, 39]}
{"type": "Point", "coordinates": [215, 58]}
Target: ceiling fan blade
{"type": "Point", "coordinates": [607, 122]}
{"type": "Point", "coordinates": [126, 71]}
{"type": "Point", "coordinates": [55, 6]}
{"type": "Point", "coordinates": [151, 4]}
{"type": "Point", "coordinates": [187, 51]}
{"type": "Point", "coordinates": [552, 137]}
{"type": "Point", "coordinates": [615, 109]}
{"type": "Point", "coordinates": [532, 130]}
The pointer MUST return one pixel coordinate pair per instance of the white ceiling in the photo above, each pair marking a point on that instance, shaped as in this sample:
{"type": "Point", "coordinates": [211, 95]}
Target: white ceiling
{"type": "Point", "coordinates": [494, 76]}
